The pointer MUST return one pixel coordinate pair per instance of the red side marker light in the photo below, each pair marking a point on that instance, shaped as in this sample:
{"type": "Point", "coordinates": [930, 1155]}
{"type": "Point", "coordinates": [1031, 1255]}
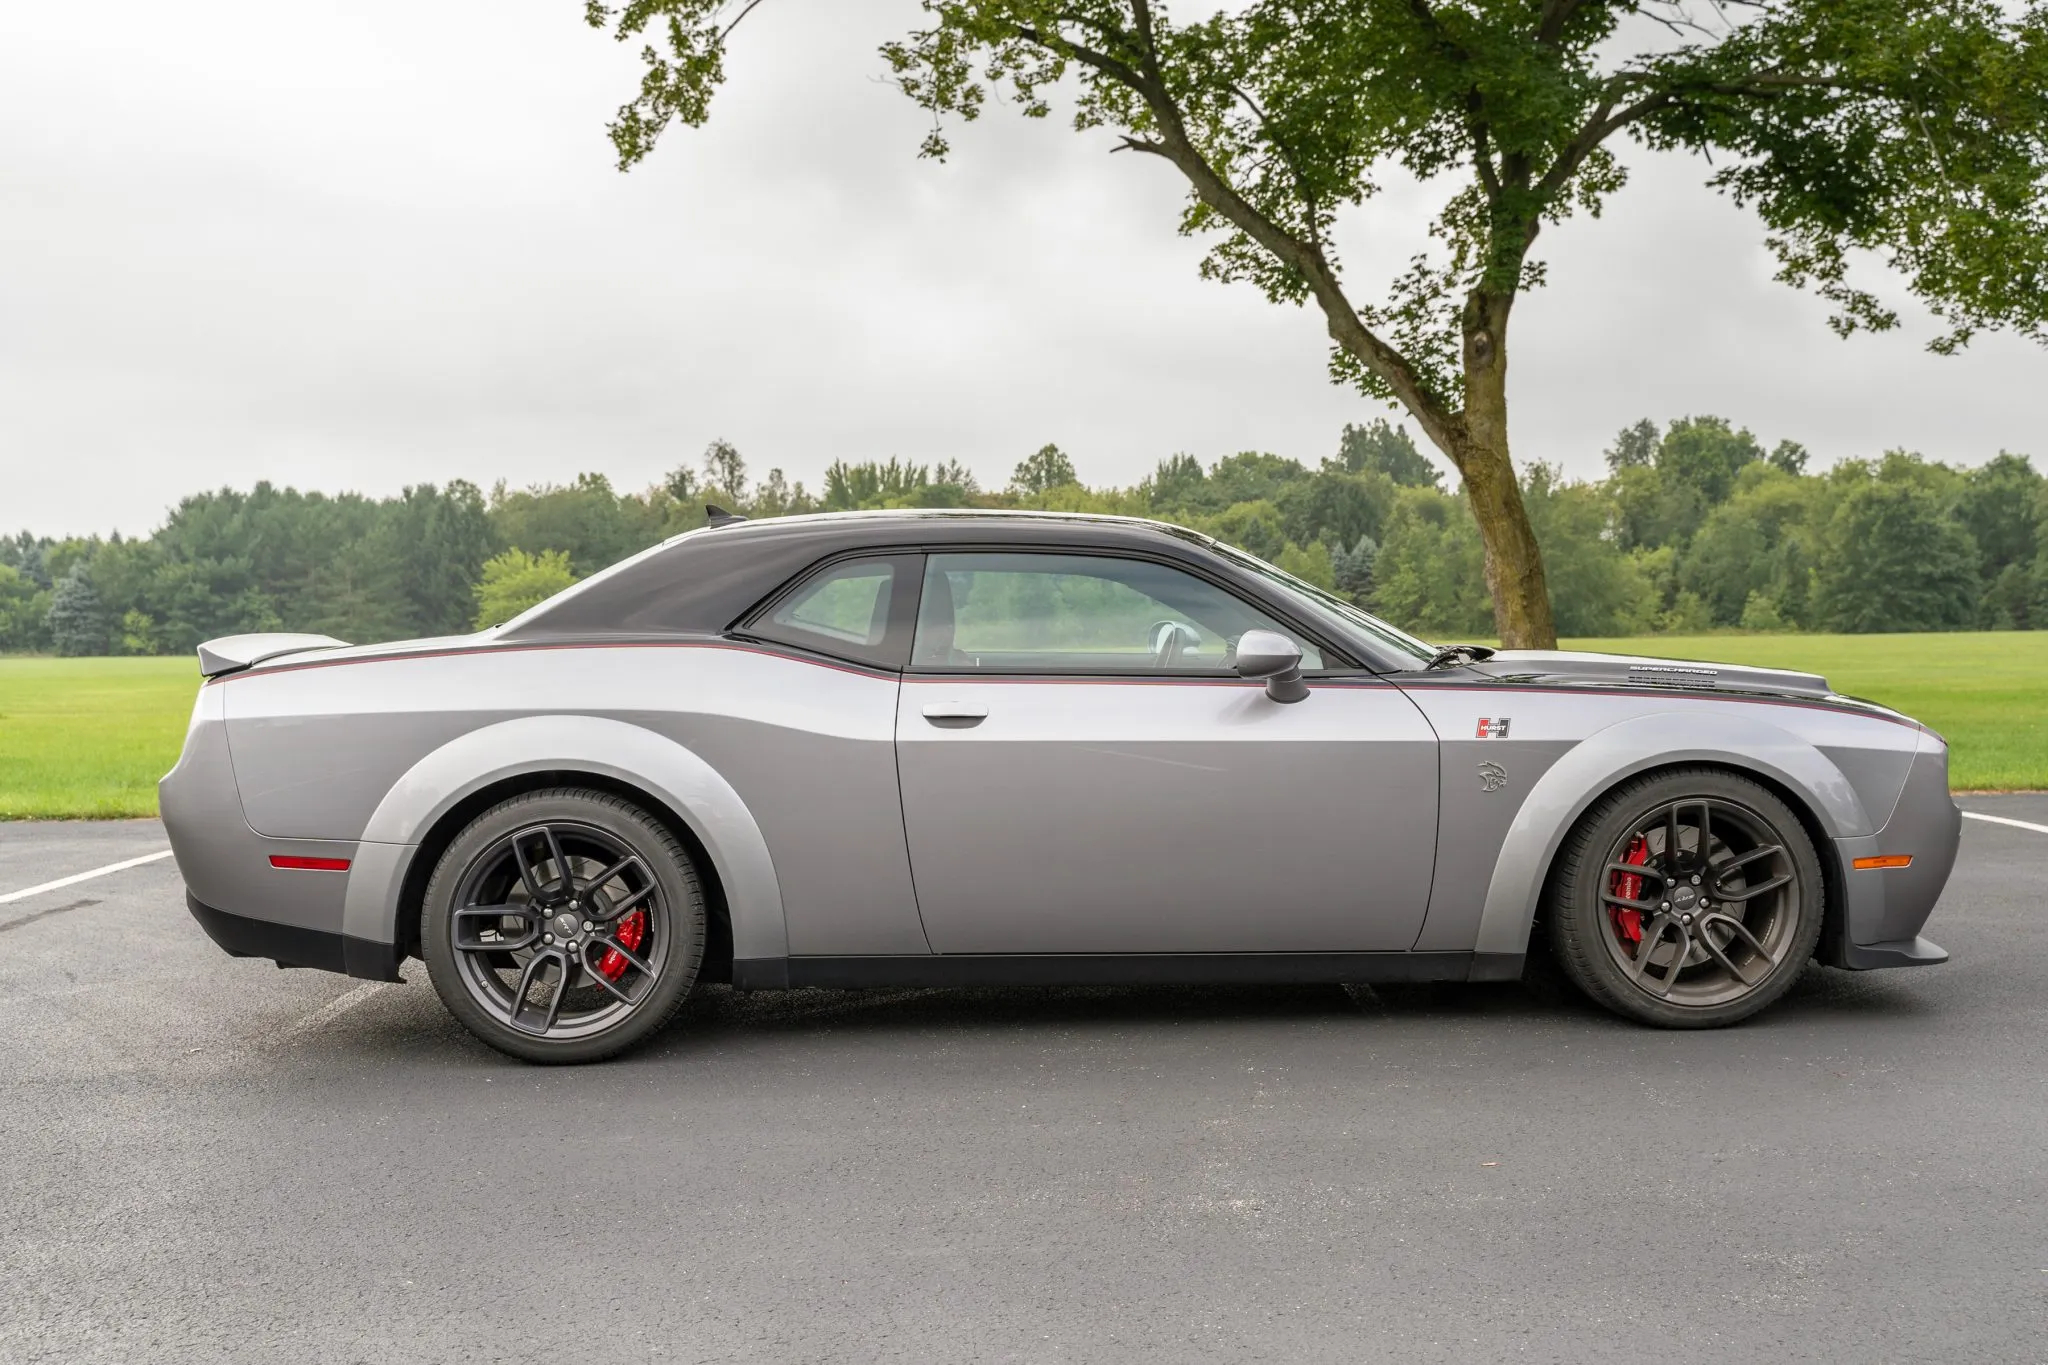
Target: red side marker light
{"type": "Point", "coordinates": [291, 864]}
{"type": "Point", "coordinates": [1888, 860]}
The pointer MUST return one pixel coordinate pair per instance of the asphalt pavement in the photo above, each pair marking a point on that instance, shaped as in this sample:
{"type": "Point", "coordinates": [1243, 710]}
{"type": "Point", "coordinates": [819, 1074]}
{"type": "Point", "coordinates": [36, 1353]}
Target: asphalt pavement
{"type": "Point", "coordinates": [211, 1159]}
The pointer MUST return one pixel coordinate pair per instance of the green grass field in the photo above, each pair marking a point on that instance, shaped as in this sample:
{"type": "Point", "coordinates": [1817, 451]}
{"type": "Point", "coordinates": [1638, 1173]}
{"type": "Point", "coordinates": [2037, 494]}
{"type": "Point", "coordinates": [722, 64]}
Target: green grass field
{"type": "Point", "coordinates": [87, 738]}
{"type": "Point", "coordinates": [1986, 692]}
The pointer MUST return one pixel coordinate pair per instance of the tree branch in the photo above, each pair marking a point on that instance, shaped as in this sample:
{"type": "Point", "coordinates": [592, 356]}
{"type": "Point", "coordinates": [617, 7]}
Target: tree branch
{"type": "Point", "coordinates": [1141, 11]}
{"type": "Point", "coordinates": [1286, 155]}
{"type": "Point", "coordinates": [1306, 258]}
{"type": "Point", "coordinates": [1606, 120]}
{"type": "Point", "coordinates": [1113, 32]}
{"type": "Point", "coordinates": [1603, 124]}
{"type": "Point", "coordinates": [1482, 160]}
{"type": "Point", "coordinates": [1346, 327]}
{"type": "Point", "coordinates": [1556, 14]}
{"type": "Point", "coordinates": [1087, 56]}
{"type": "Point", "coordinates": [726, 32]}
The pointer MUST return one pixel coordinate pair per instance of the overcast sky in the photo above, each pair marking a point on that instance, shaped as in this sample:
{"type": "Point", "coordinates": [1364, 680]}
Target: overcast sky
{"type": "Point", "coordinates": [355, 244]}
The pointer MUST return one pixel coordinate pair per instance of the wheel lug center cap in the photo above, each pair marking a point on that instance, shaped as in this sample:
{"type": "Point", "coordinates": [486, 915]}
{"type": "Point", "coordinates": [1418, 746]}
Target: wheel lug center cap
{"type": "Point", "coordinates": [565, 925]}
{"type": "Point", "coordinates": [1685, 897]}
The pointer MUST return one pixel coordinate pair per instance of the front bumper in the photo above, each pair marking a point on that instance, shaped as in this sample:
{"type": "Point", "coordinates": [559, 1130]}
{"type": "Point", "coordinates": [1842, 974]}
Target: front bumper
{"type": "Point", "coordinates": [1882, 910]}
{"type": "Point", "coordinates": [1912, 952]}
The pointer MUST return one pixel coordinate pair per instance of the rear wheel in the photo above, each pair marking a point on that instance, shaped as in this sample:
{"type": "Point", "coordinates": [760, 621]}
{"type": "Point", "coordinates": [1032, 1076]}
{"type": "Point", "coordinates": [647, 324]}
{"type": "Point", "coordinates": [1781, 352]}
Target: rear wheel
{"type": "Point", "coordinates": [1687, 899]}
{"type": "Point", "coordinates": [563, 926]}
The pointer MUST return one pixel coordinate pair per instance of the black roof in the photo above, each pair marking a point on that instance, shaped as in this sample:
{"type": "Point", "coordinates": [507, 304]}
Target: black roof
{"type": "Point", "coordinates": [701, 582]}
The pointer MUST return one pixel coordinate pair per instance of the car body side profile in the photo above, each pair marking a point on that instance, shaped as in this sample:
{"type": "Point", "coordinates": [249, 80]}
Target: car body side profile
{"type": "Point", "coordinates": [953, 748]}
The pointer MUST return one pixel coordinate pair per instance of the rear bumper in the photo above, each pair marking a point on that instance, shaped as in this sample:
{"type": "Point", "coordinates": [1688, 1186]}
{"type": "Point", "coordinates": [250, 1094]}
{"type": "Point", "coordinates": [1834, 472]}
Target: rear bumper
{"type": "Point", "coordinates": [289, 945]}
{"type": "Point", "coordinates": [249, 905]}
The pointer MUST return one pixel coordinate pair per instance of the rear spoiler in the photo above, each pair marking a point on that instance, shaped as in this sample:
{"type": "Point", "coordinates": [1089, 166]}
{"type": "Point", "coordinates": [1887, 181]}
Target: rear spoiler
{"type": "Point", "coordinates": [231, 653]}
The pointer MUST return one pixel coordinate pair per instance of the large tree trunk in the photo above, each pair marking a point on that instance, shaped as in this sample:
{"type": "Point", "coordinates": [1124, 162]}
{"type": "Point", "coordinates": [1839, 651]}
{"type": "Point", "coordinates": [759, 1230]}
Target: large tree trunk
{"type": "Point", "coordinates": [1476, 440]}
{"type": "Point", "coordinates": [1478, 445]}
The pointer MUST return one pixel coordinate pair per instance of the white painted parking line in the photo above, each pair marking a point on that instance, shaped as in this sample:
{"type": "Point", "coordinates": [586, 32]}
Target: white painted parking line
{"type": "Point", "coordinates": [77, 877]}
{"type": "Point", "coordinates": [2002, 820]}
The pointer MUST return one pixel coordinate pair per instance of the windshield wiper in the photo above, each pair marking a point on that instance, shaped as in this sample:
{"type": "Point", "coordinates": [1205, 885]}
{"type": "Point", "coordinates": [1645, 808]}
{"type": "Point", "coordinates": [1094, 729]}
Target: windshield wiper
{"type": "Point", "coordinates": [1457, 654]}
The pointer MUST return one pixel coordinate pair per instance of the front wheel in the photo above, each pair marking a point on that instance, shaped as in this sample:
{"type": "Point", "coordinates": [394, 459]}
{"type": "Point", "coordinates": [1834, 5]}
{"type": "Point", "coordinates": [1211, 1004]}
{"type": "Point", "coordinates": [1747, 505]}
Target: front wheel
{"type": "Point", "coordinates": [563, 926]}
{"type": "Point", "coordinates": [1686, 899]}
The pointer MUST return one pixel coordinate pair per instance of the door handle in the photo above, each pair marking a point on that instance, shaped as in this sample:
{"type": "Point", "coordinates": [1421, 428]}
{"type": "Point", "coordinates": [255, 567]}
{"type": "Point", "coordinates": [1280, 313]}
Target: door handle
{"type": "Point", "coordinates": [938, 712]}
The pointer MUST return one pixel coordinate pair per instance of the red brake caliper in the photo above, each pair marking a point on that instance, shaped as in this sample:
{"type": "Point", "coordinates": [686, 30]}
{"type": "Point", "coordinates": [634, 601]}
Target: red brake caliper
{"type": "Point", "coordinates": [1629, 885]}
{"type": "Point", "coordinates": [632, 932]}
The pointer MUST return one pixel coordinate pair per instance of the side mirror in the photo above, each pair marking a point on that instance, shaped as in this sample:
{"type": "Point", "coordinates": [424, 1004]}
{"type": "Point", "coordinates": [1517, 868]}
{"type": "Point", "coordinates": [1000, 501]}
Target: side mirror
{"type": "Point", "coordinates": [1272, 656]}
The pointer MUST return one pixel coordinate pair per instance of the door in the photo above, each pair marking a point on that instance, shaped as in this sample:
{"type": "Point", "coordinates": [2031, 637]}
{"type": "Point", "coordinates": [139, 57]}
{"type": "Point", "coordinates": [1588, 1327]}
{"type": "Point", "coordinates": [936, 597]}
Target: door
{"type": "Point", "coordinates": [1083, 773]}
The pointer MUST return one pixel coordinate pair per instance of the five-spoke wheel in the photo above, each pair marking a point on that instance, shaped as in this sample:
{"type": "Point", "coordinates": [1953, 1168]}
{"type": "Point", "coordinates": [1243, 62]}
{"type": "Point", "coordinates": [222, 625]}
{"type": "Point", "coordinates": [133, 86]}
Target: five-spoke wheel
{"type": "Point", "coordinates": [1687, 898]}
{"type": "Point", "coordinates": [563, 925]}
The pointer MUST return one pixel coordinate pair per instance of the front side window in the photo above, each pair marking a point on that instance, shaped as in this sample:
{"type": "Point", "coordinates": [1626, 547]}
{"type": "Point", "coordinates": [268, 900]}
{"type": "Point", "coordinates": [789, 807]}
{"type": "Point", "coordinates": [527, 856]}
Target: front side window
{"type": "Point", "coordinates": [1052, 613]}
{"type": "Point", "coordinates": [850, 610]}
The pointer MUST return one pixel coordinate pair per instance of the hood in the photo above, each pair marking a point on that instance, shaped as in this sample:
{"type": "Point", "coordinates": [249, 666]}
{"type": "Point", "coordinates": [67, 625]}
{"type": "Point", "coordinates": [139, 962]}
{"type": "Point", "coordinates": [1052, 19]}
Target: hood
{"type": "Point", "coordinates": [1567, 669]}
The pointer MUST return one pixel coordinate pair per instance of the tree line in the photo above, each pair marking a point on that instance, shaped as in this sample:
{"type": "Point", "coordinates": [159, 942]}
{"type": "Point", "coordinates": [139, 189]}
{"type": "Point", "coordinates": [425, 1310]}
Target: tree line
{"type": "Point", "coordinates": [1695, 527]}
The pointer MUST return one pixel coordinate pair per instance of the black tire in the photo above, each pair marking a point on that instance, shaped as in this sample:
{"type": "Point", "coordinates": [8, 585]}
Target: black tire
{"type": "Point", "coordinates": [1688, 966]}
{"type": "Point", "coordinates": [539, 859]}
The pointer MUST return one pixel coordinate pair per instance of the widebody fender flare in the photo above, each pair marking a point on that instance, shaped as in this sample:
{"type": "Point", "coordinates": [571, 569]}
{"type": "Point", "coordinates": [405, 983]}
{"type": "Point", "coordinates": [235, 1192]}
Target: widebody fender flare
{"type": "Point", "coordinates": [1636, 745]}
{"type": "Point", "coordinates": [626, 753]}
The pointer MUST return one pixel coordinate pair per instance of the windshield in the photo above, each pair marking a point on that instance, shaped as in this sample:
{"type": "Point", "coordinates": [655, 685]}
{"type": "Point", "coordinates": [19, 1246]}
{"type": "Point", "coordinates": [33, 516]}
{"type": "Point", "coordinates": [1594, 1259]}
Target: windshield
{"type": "Point", "coordinates": [1328, 605]}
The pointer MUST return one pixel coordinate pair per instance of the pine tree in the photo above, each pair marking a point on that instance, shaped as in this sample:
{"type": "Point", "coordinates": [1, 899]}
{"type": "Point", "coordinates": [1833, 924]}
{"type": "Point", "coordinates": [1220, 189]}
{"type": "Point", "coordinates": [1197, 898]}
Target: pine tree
{"type": "Point", "coordinates": [1353, 568]}
{"type": "Point", "coordinates": [77, 623]}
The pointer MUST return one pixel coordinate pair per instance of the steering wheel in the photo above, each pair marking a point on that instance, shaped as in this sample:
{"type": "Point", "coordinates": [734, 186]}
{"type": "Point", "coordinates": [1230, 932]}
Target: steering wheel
{"type": "Point", "coordinates": [1170, 641]}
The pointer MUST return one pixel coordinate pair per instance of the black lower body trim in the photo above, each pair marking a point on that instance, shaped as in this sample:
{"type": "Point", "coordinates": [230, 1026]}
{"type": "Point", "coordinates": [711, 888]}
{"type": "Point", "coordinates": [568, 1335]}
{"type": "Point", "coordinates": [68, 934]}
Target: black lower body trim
{"type": "Point", "coordinates": [288, 945]}
{"type": "Point", "coordinates": [1118, 969]}
{"type": "Point", "coordinates": [1910, 952]}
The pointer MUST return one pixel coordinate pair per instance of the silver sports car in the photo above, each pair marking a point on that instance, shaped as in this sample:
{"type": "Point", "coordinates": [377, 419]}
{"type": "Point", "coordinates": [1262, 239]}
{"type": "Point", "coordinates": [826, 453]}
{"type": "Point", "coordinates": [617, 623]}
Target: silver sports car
{"type": "Point", "coordinates": [952, 748]}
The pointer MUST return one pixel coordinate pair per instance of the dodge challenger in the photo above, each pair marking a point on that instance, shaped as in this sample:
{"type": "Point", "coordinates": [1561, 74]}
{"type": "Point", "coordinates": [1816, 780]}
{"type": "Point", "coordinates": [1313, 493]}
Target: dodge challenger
{"type": "Point", "coordinates": [971, 747]}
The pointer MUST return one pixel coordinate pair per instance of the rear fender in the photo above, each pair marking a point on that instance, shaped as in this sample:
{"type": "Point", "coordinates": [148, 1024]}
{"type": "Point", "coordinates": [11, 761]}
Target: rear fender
{"type": "Point", "coordinates": [1636, 745]}
{"type": "Point", "coordinates": [609, 748]}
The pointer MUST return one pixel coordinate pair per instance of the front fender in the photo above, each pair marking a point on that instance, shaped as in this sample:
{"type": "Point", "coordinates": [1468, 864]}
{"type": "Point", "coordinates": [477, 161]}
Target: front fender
{"type": "Point", "coordinates": [609, 748]}
{"type": "Point", "coordinates": [1636, 745]}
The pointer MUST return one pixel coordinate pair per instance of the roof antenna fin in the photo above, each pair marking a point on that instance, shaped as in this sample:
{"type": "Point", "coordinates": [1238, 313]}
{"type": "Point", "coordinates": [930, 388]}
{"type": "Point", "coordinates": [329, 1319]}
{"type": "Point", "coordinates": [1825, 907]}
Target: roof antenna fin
{"type": "Point", "coordinates": [715, 515]}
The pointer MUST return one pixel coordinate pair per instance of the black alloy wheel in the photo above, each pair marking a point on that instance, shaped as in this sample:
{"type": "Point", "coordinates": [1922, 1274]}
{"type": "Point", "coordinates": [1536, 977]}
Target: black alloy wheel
{"type": "Point", "coordinates": [563, 926]}
{"type": "Point", "coordinates": [1686, 899]}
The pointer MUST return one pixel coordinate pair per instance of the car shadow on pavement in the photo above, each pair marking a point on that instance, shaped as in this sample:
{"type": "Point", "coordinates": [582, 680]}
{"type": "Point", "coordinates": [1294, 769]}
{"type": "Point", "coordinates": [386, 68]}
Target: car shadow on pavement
{"type": "Point", "coordinates": [719, 1008]}
{"type": "Point", "coordinates": [719, 1013]}
{"type": "Point", "coordinates": [409, 1020]}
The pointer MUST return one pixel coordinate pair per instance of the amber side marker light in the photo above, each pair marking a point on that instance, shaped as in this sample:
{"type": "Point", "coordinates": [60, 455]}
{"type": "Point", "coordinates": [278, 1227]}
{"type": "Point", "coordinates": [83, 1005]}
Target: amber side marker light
{"type": "Point", "coordinates": [1861, 864]}
{"type": "Point", "coordinates": [290, 864]}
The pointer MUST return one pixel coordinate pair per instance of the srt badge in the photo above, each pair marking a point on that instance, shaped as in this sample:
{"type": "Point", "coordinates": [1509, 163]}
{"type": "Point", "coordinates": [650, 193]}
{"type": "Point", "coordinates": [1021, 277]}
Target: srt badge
{"type": "Point", "coordinates": [1493, 729]}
